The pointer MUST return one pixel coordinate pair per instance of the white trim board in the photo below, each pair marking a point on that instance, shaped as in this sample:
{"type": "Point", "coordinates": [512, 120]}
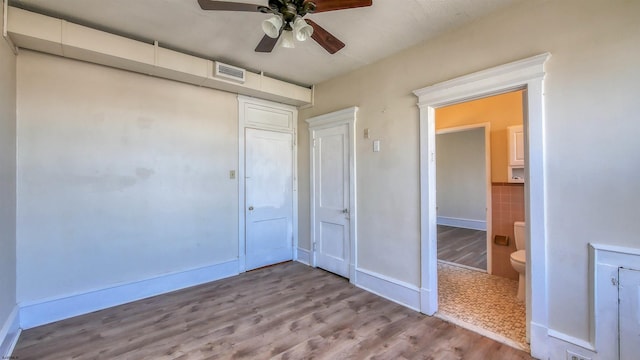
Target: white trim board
{"type": "Point", "coordinates": [391, 289]}
{"type": "Point", "coordinates": [524, 74]}
{"type": "Point", "coordinates": [46, 311]}
{"type": "Point", "coordinates": [9, 333]}
{"type": "Point", "coordinates": [304, 256]}
{"type": "Point", "coordinates": [462, 223]}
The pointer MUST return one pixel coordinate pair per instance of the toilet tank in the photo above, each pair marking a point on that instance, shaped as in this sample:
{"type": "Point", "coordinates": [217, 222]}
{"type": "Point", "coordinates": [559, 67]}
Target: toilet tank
{"type": "Point", "coordinates": [520, 234]}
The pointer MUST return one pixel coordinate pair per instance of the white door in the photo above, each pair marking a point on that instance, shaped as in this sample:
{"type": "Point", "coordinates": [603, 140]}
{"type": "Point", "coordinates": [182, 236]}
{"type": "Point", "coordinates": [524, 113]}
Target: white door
{"type": "Point", "coordinates": [331, 194]}
{"type": "Point", "coordinates": [268, 197]}
{"type": "Point", "coordinates": [629, 313]}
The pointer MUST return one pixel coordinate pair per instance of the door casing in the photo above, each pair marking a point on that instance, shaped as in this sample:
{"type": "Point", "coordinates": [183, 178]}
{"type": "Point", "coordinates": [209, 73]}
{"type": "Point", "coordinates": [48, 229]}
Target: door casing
{"type": "Point", "coordinates": [523, 74]}
{"type": "Point", "coordinates": [245, 105]}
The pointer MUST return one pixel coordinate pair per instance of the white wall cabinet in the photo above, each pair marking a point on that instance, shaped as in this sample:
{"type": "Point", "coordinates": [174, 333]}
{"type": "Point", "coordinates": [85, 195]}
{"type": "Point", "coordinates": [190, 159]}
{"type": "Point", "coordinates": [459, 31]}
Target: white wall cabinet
{"type": "Point", "coordinates": [516, 154]}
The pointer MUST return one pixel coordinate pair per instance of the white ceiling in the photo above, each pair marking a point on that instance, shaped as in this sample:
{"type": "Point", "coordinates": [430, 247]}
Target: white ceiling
{"type": "Point", "coordinates": [370, 33]}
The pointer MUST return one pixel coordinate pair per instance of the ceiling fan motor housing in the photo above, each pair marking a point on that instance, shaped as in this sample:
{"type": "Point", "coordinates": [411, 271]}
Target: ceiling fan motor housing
{"type": "Point", "coordinates": [289, 9]}
{"type": "Point", "coordinates": [288, 16]}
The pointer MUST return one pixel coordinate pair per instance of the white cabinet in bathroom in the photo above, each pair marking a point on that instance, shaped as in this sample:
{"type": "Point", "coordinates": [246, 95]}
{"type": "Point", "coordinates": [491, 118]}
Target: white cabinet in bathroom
{"type": "Point", "coordinates": [516, 154]}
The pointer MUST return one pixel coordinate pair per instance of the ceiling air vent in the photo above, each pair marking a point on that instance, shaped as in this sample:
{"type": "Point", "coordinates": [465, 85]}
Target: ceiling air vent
{"type": "Point", "coordinates": [229, 72]}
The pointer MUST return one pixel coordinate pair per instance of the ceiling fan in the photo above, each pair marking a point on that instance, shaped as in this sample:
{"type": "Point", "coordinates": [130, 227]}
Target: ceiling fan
{"type": "Point", "coordinates": [287, 21]}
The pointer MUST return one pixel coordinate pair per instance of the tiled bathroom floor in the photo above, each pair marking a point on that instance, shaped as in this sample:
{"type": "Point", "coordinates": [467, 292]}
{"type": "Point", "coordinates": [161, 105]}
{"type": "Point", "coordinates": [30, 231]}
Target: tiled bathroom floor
{"type": "Point", "coordinates": [487, 303]}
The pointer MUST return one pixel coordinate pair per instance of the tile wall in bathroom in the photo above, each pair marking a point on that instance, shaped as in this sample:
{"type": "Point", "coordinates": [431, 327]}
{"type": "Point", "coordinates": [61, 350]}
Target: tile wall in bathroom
{"type": "Point", "coordinates": [507, 201]}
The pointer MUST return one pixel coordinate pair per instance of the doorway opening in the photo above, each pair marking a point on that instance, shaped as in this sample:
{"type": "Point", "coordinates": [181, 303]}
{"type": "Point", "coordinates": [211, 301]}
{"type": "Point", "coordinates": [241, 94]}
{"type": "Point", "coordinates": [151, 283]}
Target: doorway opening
{"type": "Point", "coordinates": [526, 74]}
{"type": "Point", "coordinates": [464, 195]}
{"type": "Point", "coordinates": [267, 183]}
{"type": "Point", "coordinates": [474, 197]}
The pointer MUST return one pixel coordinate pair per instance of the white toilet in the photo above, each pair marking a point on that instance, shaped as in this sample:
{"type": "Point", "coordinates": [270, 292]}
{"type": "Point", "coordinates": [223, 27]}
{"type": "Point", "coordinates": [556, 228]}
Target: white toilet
{"type": "Point", "coordinates": [519, 257]}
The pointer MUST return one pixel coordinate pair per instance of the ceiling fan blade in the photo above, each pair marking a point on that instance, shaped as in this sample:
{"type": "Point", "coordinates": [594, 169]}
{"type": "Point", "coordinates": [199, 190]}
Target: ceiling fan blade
{"type": "Point", "coordinates": [324, 38]}
{"type": "Point", "coordinates": [331, 5]}
{"type": "Point", "coordinates": [228, 6]}
{"type": "Point", "coordinates": [267, 44]}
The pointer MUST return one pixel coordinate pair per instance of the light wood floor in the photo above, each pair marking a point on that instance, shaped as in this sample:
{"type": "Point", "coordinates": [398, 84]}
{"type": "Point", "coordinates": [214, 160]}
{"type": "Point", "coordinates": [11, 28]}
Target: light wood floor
{"type": "Point", "coordinates": [463, 246]}
{"type": "Point", "coordinates": [287, 311]}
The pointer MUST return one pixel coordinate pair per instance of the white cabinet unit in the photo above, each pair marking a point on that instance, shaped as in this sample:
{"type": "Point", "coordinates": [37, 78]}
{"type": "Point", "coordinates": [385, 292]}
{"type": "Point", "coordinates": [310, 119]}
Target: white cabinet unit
{"type": "Point", "coordinates": [516, 154]}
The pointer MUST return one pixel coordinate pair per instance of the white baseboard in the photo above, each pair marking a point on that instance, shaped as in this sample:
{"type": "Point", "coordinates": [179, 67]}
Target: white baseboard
{"type": "Point", "coordinates": [46, 311]}
{"type": "Point", "coordinates": [304, 256]}
{"type": "Point", "coordinates": [462, 223]}
{"type": "Point", "coordinates": [428, 301]}
{"type": "Point", "coordinates": [539, 341]}
{"type": "Point", "coordinates": [390, 289]}
{"type": "Point", "coordinates": [9, 333]}
{"type": "Point", "coordinates": [559, 343]}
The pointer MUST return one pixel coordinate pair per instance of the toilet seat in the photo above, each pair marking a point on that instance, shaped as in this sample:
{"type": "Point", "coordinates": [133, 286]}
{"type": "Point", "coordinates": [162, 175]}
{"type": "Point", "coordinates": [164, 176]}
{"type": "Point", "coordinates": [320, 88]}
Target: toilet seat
{"type": "Point", "coordinates": [519, 256]}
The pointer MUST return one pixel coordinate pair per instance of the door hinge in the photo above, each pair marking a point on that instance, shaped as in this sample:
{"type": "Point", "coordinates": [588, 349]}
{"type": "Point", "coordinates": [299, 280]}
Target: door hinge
{"type": "Point", "coordinates": [315, 247]}
{"type": "Point", "coordinates": [314, 142]}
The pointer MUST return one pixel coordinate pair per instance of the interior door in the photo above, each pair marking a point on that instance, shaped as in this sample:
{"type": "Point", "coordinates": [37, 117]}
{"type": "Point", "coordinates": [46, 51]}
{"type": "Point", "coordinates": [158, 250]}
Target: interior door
{"type": "Point", "coordinates": [629, 313]}
{"type": "Point", "coordinates": [331, 193]}
{"type": "Point", "coordinates": [268, 197]}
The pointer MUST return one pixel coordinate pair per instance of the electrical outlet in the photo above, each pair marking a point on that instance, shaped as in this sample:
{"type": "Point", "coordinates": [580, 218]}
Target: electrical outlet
{"type": "Point", "coordinates": [232, 174]}
{"type": "Point", "coordinates": [573, 356]}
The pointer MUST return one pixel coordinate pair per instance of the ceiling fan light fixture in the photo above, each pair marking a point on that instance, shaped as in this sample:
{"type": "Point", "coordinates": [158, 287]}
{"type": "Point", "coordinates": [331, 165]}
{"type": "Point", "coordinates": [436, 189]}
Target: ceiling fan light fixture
{"type": "Point", "coordinates": [286, 40]}
{"type": "Point", "coordinates": [272, 26]}
{"type": "Point", "coordinates": [301, 29]}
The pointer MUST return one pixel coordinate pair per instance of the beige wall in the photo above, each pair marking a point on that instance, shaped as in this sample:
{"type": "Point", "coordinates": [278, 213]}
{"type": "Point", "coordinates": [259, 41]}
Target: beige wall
{"type": "Point", "coordinates": [501, 111]}
{"type": "Point", "coordinates": [461, 175]}
{"type": "Point", "coordinates": [121, 177]}
{"type": "Point", "coordinates": [7, 181]}
{"type": "Point", "coordinates": [590, 133]}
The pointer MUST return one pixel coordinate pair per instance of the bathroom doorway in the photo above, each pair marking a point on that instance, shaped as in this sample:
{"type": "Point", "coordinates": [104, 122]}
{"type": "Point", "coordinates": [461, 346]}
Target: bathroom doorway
{"type": "Point", "coordinates": [463, 180]}
{"type": "Point", "coordinates": [474, 193]}
{"type": "Point", "coordinates": [526, 74]}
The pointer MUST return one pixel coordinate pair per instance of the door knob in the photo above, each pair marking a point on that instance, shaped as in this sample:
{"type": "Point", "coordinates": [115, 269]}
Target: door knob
{"type": "Point", "coordinates": [250, 208]}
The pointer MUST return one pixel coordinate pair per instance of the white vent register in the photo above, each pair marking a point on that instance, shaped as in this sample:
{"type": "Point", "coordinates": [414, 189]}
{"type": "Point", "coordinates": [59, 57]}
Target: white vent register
{"type": "Point", "coordinates": [229, 72]}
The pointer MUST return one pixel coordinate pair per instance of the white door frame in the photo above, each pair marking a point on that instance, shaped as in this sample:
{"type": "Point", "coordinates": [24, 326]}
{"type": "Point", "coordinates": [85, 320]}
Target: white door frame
{"type": "Point", "coordinates": [291, 126]}
{"type": "Point", "coordinates": [488, 217]}
{"type": "Point", "coordinates": [524, 74]}
{"type": "Point", "coordinates": [341, 117]}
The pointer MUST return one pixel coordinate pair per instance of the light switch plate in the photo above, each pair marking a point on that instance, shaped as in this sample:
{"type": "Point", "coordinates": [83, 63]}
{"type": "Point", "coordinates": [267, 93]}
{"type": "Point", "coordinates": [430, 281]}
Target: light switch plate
{"type": "Point", "coordinates": [376, 145]}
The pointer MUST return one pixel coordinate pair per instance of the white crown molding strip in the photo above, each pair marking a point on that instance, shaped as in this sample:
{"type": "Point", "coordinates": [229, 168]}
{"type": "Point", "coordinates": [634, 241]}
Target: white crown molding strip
{"type": "Point", "coordinates": [462, 223]}
{"type": "Point", "coordinates": [9, 333]}
{"type": "Point", "coordinates": [42, 312]}
{"type": "Point", "coordinates": [391, 289]}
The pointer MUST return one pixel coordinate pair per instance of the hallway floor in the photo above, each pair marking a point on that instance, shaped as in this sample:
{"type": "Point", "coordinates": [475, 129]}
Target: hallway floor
{"type": "Point", "coordinates": [463, 246]}
{"type": "Point", "coordinates": [482, 302]}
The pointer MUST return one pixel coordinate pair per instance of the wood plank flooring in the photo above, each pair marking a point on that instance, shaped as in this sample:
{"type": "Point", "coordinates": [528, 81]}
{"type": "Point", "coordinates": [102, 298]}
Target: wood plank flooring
{"type": "Point", "coordinates": [463, 246]}
{"type": "Point", "coordinates": [287, 311]}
